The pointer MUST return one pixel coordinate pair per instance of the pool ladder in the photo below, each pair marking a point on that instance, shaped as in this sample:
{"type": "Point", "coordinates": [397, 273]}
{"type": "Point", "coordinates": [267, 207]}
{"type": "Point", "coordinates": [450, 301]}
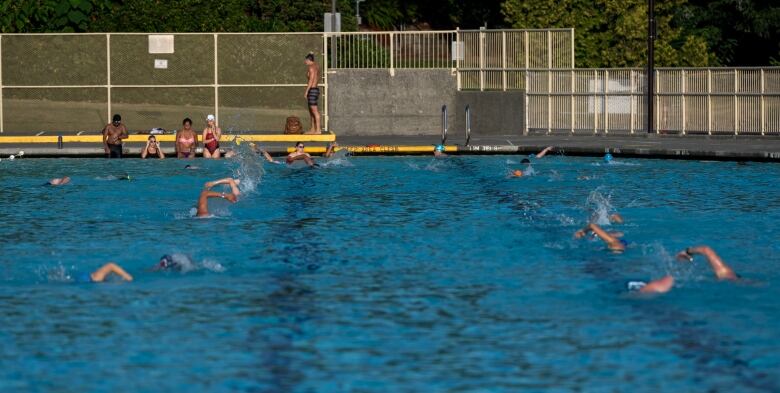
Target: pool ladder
{"type": "Point", "coordinates": [444, 124]}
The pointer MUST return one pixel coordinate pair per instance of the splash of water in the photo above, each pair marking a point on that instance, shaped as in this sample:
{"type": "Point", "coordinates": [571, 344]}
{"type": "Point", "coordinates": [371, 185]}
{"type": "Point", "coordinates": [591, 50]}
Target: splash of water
{"type": "Point", "coordinates": [250, 167]}
{"type": "Point", "coordinates": [601, 207]}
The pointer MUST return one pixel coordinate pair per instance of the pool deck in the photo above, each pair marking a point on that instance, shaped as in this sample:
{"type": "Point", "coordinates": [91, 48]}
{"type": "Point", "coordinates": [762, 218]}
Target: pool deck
{"type": "Point", "coordinates": [653, 146]}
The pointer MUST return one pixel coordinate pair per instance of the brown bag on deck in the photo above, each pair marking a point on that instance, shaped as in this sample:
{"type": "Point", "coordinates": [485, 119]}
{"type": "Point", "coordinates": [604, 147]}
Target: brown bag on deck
{"type": "Point", "coordinates": [293, 125]}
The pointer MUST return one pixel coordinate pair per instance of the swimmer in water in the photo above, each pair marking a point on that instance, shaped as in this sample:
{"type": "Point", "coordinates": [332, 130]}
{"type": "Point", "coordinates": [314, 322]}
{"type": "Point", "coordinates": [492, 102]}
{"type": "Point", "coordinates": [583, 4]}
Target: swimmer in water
{"type": "Point", "coordinates": [612, 240]}
{"type": "Point", "coordinates": [264, 153]}
{"type": "Point", "coordinates": [58, 181]}
{"type": "Point", "coordinates": [330, 150]}
{"type": "Point", "coordinates": [104, 271]}
{"type": "Point", "coordinates": [175, 262]}
{"type": "Point", "coordinates": [299, 154]}
{"type": "Point", "coordinates": [615, 218]}
{"type": "Point", "coordinates": [721, 269]}
{"type": "Point", "coordinates": [438, 151]}
{"type": "Point", "coordinates": [607, 158]}
{"type": "Point", "coordinates": [528, 171]}
{"type": "Point", "coordinates": [232, 196]}
{"type": "Point", "coordinates": [544, 151]}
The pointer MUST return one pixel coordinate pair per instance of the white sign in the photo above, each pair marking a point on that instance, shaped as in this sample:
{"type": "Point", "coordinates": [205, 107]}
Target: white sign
{"type": "Point", "coordinates": [161, 64]}
{"type": "Point", "coordinates": [161, 43]}
{"type": "Point", "coordinates": [458, 50]}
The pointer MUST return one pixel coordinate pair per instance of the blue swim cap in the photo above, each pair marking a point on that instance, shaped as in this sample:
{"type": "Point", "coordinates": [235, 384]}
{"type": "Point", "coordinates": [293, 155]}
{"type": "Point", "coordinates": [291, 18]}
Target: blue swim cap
{"type": "Point", "coordinates": [439, 147]}
{"type": "Point", "coordinates": [607, 157]}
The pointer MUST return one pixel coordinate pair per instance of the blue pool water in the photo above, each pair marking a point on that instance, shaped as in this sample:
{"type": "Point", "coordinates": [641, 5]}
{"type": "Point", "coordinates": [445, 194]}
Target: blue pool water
{"type": "Point", "coordinates": [388, 274]}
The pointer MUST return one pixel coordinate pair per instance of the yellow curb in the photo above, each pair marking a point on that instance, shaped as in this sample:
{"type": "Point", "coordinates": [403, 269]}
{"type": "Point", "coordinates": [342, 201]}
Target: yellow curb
{"type": "Point", "coordinates": [168, 138]}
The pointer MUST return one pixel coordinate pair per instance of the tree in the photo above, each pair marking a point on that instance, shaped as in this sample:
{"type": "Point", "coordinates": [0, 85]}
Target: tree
{"type": "Point", "coordinates": [612, 33]}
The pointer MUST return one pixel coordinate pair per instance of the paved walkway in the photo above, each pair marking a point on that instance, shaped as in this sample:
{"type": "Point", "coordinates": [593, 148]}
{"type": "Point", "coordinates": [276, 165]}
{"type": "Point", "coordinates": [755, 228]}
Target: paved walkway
{"type": "Point", "coordinates": [697, 147]}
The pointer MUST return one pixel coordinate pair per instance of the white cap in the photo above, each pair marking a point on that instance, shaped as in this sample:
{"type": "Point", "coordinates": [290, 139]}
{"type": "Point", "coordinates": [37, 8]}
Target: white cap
{"type": "Point", "coordinates": [210, 118]}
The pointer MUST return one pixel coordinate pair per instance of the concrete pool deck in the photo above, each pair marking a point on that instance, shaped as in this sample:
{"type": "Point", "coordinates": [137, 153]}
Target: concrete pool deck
{"type": "Point", "coordinates": [653, 146]}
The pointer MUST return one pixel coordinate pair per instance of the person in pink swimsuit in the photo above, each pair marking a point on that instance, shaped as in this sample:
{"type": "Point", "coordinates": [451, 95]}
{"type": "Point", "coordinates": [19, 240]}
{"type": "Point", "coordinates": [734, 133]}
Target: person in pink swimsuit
{"type": "Point", "coordinates": [186, 140]}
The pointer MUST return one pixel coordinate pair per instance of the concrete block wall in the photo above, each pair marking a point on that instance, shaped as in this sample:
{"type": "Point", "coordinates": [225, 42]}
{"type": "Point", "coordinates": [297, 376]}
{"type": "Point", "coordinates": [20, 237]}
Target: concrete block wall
{"type": "Point", "coordinates": [365, 102]}
{"type": "Point", "coordinates": [373, 102]}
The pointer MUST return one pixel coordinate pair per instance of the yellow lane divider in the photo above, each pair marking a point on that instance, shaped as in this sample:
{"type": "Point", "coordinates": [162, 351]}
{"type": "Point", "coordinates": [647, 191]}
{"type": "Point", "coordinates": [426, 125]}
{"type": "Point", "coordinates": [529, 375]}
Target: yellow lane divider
{"type": "Point", "coordinates": [381, 149]}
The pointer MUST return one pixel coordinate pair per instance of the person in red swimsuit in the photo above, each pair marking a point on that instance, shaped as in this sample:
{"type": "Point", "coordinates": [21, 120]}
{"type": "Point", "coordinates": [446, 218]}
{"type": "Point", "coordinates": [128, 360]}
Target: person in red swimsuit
{"type": "Point", "coordinates": [211, 137]}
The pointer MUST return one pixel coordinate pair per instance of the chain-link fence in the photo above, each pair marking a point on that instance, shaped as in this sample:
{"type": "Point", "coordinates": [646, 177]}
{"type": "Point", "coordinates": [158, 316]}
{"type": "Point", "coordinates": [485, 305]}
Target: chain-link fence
{"type": "Point", "coordinates": [70, 83]}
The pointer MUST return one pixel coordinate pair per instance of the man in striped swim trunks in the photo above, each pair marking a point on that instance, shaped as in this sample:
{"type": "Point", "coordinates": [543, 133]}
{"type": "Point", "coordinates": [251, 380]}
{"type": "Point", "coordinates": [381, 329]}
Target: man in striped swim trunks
{"type": "Point", "coordinates": [313, 93]}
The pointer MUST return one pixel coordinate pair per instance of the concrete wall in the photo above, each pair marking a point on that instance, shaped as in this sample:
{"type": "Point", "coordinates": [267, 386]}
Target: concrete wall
{"type": "Point", "coordinates": [492, 112]}
{"type": "Point", "coordinates": [372, 102]}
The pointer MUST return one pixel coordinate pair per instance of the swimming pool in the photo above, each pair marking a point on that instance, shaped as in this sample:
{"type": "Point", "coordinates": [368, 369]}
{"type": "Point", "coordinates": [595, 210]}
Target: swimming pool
{"type": "Point", "coordinates": [388, 274]}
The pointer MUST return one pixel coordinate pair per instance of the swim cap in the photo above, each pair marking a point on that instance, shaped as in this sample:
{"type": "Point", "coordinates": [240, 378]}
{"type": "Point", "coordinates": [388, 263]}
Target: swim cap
{"type": "Point", "coordinates": [607, 157]}
{"type": "Point", "coordinates": [517, 173]}
{"type": "Point", "coordinates": [635, 285]}
{"type": "Point", "coordinates": [439, 147]}
{"type": "Point", "coordinates": [525, 161]}
{"type": "Point", "coordinates": [167, 262]}
{"type": "Point", "coordinates": [623, 242]}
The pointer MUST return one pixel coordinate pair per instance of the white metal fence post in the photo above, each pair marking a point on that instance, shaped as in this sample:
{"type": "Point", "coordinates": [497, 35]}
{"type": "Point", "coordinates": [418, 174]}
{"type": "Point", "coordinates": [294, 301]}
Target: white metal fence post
{"type": "Point", "coordinates": [631, 101]}
{"type": "Point", "coordinates": [606, 101]}
{"type": "Point", "coordinates": [392, 54]}
{"type": "Point", "coordinates": [595, 102]}
{"type": "Point", "coordinates": [456, 52]}
{"type": "Point", "coordinates": [503, 59]}
{"type": "Point", "coordinates": [571, 107]}
{"type": "Point", "coordinates": [325, 67]}
{"type": "Point", "coordinates": [763, 114]}
{"type": "Point", "coordinates": [571, 35]}
{"type": "Point", "coordinates": [709, 102]}
{"type": "Point", "coordinates": [736, 102]}
{"type": "Point", "coordinates": [216, 79]}
{"type": "Point", "coordinates": [2, 120]}
{"type": "Point", "coordinates": [657, 106]}
{"type": "Point", "coordinates": [683, 90]}
{"type": "Point", "coordinates": [108, 78]}
{"type": "Point", "coordinates": [481, 61]}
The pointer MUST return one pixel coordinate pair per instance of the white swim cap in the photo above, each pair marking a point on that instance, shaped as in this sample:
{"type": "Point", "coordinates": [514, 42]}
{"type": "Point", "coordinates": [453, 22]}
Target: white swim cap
{"type": "Point", "coordinates": [210, 118]}
{"type": "Point", "coordinates": [21, 153]}
{"type": "Point", "coordinates": [11, 157]}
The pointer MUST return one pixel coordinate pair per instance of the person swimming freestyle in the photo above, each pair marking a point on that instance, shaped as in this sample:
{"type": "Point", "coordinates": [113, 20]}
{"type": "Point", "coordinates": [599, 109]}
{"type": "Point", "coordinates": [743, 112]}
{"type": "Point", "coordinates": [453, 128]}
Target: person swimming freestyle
{"type": "Point", "coordinates": [206, 194]}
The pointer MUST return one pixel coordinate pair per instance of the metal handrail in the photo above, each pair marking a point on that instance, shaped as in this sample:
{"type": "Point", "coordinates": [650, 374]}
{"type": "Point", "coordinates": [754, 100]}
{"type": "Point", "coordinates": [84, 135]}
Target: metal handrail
{"type": "Point", "coordinates": [443, 124]}
{"type": "Point", "coordinates": [468, 125]}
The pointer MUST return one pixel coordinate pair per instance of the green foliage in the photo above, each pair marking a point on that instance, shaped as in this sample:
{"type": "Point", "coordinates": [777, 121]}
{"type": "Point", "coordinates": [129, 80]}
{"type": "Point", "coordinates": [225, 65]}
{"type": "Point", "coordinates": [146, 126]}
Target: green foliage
{"type": "Point", "coordinates": [31, 16]}
{"type": "Point", "coordinates": [612, 33]}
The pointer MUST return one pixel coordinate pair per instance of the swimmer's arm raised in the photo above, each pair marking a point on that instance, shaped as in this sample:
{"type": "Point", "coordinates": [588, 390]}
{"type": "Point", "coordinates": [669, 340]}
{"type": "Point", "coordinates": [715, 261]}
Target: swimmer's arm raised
{"type": "Point", "coordinates": [544, 152]}
{"type": "Point", "coordinates": [101, 274]}
{"type": "Point", "coordinates": [145, 151]}
{"type": "Point", "coordinates": [229, 181]}
{"type": "Point", "coordinates": [721, 269]}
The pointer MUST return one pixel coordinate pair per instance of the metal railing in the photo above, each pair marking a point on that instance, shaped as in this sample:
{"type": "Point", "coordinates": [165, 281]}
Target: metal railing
{"type": "Point", "coordinates": [485, 59]}
{"type": "Point", "coordinates": [709, 101]}
{"type": "Point", "coordinates": [75, 82]}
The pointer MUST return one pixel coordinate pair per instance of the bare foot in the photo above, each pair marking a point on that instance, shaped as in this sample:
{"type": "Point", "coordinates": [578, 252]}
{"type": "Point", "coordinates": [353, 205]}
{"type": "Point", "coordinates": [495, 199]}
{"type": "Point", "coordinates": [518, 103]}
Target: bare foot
{"type": "Point", "coordinates": [313, 132]}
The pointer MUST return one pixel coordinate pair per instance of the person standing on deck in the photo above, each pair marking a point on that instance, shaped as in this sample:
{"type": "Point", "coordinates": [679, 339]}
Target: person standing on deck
{"type": "Point", "coordinates": [113, 133]}
{"type": "Point", "coordinates": [312, 94]}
